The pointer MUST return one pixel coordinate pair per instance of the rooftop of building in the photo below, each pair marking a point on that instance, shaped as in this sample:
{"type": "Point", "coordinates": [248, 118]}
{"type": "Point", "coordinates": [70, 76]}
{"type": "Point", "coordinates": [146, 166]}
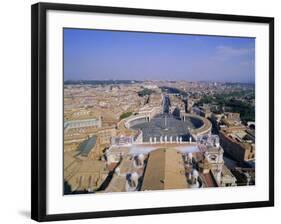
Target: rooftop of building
{"type": "Point", "coordinates": [86, 146]}
{"type": "Point", "coordinates": [226, 171]}
{"type": "Point", "coordinates": [90, 166]}
{"type": "Point", "coordinates": [126, 166]}
{"type": "Point", "coordinates": [239, 136]}
{"type": "Point", "coordinates": [164, 170]}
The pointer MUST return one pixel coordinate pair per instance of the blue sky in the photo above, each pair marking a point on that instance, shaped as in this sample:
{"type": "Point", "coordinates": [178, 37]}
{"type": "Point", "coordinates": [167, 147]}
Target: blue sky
{"type": "Point", "coordinates": [104, 55]}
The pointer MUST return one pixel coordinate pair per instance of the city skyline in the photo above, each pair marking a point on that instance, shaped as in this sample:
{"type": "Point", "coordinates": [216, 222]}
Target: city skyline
{"type": "Point", "coordinates": [139, 137]}
{"type": "Point", "coordinates": [119, 55]}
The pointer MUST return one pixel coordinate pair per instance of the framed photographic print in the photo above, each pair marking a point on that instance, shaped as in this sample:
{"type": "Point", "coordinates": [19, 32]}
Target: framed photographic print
{"type": "Point", "coordinates": [139, 111]}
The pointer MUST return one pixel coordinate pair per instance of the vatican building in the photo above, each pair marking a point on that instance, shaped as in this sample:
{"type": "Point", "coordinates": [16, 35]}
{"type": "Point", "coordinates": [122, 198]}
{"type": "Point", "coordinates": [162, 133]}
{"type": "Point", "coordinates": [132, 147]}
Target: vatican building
{"type": "Point", "coordinates": [163, 144]}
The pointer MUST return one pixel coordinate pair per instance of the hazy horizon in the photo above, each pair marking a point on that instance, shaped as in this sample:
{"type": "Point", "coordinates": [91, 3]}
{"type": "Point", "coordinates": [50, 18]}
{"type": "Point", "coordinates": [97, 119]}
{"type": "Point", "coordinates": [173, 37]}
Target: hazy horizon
{"type": "Point", "coordinates": [150, 80]}
{"type": "Point", "coordinates": [100, 55]}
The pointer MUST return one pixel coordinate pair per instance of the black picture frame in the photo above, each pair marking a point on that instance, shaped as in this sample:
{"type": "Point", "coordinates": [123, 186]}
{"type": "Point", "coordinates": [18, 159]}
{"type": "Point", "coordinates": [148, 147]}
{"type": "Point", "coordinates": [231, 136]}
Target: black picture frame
{"type": "Point", "coordinates": [38, 108]}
